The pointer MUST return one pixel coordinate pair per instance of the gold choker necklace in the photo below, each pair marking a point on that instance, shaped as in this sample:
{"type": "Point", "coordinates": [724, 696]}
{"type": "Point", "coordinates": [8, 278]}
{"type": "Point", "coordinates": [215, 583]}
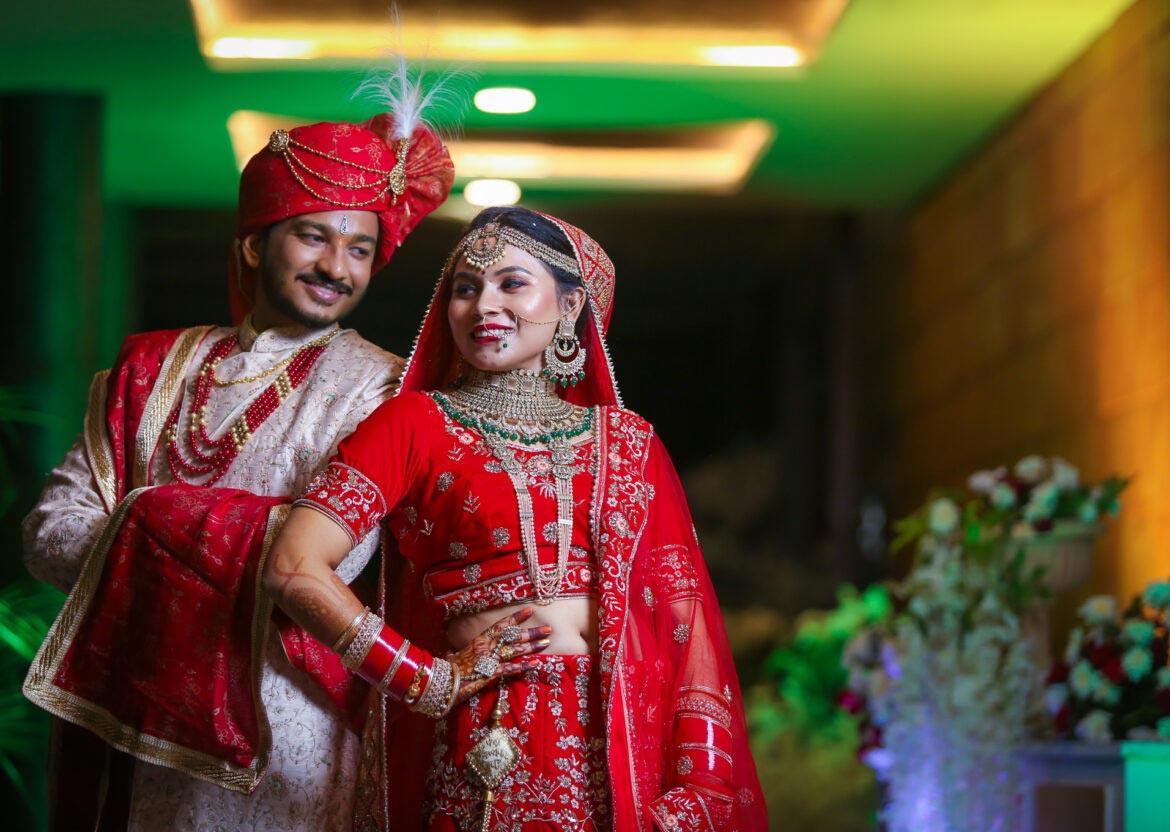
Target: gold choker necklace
{"type": "Point", "coordinates": [518, 406]}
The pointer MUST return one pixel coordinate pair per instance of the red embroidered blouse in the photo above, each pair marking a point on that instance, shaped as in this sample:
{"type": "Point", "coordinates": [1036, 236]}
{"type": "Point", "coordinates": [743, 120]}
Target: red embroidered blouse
{"type": "Point", "coordinates": [451, 506]}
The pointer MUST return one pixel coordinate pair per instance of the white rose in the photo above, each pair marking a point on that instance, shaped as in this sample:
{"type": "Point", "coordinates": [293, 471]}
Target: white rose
{"type": "Point", "coordinates": [1105, 691]}
{"type": "Point", "coordinates": [1098, 609]}
{"type": "Point", "coordinates": [1003, 496]}
{"type": "Point", "coordinates": [1082, 679]}
{"type": "Point", "coordinates": [879, 759]}
{"type": "Point", "coordinates": [943, 517]}
{"type": "Point", "coordinates": [1055, 697]}
{"type": "Point", "coordinates": [1065, 476]}
{"type": "Point", "coordinates": [982, 482]}
{"type": "Point", "coordinates": [1031, 469]}
{"type": "Point", "coordinates": [1095, 727]}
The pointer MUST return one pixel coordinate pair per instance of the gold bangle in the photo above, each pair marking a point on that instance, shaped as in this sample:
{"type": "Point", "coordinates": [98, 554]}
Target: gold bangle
{"type": "Point", "coordinates": [454, 688]}
{"type": "Point", "coordinates": [434, 700]}
{"type": "Point", "coordinates": [415, 688]}
{"type": "Point", "coordinates": [361, 643]}
{"type": "Point", "coordinates": [348, 632]}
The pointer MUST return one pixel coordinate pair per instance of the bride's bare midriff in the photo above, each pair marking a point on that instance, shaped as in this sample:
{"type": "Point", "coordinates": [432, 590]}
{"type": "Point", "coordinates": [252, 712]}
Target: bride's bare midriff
{"type": "Point", "coordinates": [573, 622]}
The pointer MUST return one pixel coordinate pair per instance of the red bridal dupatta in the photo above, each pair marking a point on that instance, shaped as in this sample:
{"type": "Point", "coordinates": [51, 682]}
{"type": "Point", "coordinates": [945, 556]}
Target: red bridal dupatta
{"type": "Point", "coordinates": [158, 649]}
{"type": "Point", "coordinates": [676, 736]}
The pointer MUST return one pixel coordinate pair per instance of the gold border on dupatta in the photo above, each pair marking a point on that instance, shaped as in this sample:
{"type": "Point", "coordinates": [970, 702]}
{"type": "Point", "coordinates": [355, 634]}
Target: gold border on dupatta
{"type": "Point", "coordinates": [618, 678]}
{"type": "Point", "coordinates": [170, 381]}
{"type": "Point", "coordinates": [40, 689]}
{"type": "Point", "coordinates": [97, 441]}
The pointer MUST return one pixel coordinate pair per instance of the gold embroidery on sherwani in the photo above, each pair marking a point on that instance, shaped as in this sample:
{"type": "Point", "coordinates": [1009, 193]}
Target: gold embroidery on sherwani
{"type": "Point", "coordinates": [97, 441]}
{"type": "Point", "coordinates": [171, 380]}
{"type": "Point", "coordinates": [39, 687]}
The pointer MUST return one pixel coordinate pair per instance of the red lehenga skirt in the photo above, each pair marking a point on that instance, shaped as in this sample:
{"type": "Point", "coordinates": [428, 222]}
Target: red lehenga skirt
{"type": "Point", "coordinates": [561, 783]}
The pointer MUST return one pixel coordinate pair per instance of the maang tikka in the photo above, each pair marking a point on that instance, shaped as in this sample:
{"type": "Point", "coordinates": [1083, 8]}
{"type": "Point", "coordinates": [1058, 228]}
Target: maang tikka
{"type": "Point", "coordinates": [564, 358]}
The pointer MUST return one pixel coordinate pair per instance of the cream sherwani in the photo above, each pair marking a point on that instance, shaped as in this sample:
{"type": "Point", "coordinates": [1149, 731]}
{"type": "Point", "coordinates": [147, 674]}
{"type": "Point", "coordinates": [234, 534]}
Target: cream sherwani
{"type": "Point", "coordinates": [311, 774]}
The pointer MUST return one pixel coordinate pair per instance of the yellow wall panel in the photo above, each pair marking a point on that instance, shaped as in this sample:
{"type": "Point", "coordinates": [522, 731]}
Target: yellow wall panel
{"type": "Point", "coordinates": [1032, 301]}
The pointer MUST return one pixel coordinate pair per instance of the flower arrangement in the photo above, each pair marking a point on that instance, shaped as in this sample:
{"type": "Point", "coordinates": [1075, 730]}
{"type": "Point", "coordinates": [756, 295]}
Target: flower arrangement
{"type": "Point", "coordinates": [1046, 491]}
{"type": "Point", "coordinates": [802, 742]}
{"type": "Point", "coordinates": [1113, 682]}
{"type": "Point", "coordinates": [946, 690]}
{"type": "Point", "coordinates": [942, 693]}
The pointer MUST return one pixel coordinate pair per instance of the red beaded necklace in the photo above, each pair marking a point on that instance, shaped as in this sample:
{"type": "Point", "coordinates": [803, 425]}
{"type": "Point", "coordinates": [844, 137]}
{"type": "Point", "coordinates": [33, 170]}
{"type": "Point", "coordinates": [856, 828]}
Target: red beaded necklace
{"type": "Point", "coordinates": [221, 452]}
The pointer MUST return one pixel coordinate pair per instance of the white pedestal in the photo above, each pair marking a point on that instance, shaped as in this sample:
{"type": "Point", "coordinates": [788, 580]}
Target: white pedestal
{"type": "Point", "coordinates": [1071, 787]}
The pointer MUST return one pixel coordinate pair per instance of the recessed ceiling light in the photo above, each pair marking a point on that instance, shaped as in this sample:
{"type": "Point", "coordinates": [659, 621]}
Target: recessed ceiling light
{"type": "Point", "coordinates": [754, 55]}
{"type": "Point", "coordinates": [263, 48]}
{"type": "Point", "coordinates": [507, 100]}
{"type": "Point", "coordinates": [488, 192]}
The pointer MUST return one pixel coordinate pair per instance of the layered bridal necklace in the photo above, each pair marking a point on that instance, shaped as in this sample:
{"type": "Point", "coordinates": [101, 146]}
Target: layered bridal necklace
{"type": "Point", "coordinates": [523, 407]}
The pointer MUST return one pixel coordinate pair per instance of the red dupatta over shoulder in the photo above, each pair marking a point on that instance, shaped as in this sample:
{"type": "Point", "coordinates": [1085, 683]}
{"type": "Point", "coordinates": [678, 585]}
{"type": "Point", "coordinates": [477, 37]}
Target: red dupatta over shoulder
{"type": "Point", "coordinates": [158, 649]}
{"type": "Point", "coordinates": [677, 745]}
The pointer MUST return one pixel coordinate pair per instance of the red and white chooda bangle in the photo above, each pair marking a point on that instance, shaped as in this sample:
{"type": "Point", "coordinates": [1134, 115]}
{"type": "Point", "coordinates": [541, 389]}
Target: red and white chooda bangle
{"type": "Point", "coordinates": [398, 669]}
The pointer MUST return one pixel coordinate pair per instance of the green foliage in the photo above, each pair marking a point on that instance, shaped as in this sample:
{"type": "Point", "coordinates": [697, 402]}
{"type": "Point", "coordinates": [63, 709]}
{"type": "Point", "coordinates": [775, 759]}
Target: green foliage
{"type": "Point", "coordinates": [814, 784]}
{"type": "Point", "coordinates": [804, 744]}
{"type": "Point", "coordinates": [15, 408]}
{"type": "Point", "coordinates": [808, 674]}
{"type": "Point", "coordinates": [26, 611]}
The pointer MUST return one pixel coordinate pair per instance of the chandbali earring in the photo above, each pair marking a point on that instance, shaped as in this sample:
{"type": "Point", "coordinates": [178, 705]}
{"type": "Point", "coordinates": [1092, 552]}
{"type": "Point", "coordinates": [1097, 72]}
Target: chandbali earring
{"type": "Point", "coordinates": [564, 358]}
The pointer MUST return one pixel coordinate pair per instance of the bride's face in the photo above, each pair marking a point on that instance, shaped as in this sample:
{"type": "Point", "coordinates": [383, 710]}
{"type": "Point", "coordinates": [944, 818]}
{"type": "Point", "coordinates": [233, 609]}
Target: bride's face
{"type": "Point", "coordinates": [502, 318]}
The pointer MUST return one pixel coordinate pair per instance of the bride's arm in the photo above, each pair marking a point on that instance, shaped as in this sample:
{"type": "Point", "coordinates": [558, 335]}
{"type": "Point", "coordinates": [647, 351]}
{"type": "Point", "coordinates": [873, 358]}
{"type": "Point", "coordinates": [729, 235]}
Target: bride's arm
{"type": "Point", "coordinates": [300, 576]}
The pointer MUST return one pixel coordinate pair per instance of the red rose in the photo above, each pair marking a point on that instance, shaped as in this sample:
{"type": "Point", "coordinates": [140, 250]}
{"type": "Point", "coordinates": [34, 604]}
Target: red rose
{"type": "Point", "coordinates": [852, 702]}
{"type": "Point", "coordinates": [1060, 721]}
{"type": "Point", "coordinates": [1101, 653]}
{"type": "Point", "coordinates": [871, 738]}
{"type": "Point", "coordinates": [1058, 673]}
{"type": "Point", "coordinates": [1113, 671]}
{"type": "Point", "coordinates": [1162, 699]}
{"type": "Point", "coordinates": [1158, 649]}
{"type": "Point", "coordinates": [1044, 524]}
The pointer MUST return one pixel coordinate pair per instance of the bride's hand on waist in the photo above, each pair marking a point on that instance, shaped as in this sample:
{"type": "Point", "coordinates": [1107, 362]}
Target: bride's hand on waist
{"type": "Point", "coordinates": [497, 653]}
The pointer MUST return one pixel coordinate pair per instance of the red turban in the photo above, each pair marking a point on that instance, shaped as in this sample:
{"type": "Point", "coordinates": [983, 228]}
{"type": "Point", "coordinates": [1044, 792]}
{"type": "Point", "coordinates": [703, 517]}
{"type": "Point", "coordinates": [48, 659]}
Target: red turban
{"type": "Point", "coordinates": [337, 166]}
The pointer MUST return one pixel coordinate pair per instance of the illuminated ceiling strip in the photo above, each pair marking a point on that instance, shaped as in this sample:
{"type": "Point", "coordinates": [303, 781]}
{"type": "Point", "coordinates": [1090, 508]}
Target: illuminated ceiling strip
{"type": "Point", "coordinates": [226, 40]}
{"type": "Point", "coordinates": [717, 160]}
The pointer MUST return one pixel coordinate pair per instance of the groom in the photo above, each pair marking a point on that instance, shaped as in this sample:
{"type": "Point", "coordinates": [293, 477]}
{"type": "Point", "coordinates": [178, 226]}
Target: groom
{"type": "Point", "coordinates": [157, 519]}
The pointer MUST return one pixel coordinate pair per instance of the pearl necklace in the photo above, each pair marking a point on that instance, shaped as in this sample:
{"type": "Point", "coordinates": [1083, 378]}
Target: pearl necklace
{"type": "Point", "coordinates": [220, 453]}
